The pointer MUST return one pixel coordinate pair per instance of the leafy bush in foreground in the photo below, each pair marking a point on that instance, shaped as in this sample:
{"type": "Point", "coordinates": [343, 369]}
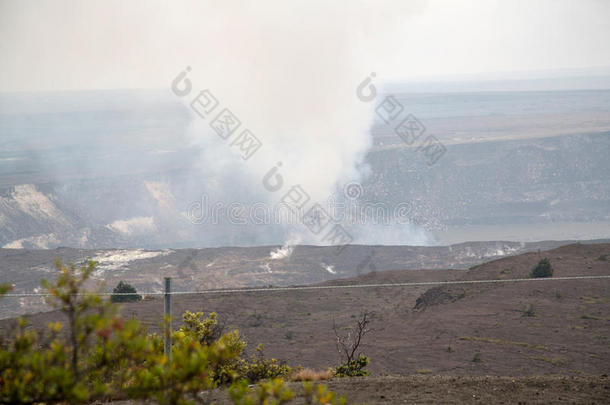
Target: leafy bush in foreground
{"type": "Point", "coordinates": [259, 368]}
{"type": "Point", "coordinates": [102, 357]}
{"type": "Point", "coordinates": [275, 392]}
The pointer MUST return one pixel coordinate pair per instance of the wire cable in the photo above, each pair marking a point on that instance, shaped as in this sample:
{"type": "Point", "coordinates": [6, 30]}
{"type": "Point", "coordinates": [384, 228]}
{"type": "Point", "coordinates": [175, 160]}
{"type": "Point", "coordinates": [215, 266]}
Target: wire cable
{"type": "Point", "coordinates": [328, 287]}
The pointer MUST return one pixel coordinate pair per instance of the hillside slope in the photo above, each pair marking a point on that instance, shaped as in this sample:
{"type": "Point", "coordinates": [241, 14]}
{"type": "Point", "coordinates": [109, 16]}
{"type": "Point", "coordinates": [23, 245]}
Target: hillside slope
{"type": "Point", "coordinates": [465, 329]}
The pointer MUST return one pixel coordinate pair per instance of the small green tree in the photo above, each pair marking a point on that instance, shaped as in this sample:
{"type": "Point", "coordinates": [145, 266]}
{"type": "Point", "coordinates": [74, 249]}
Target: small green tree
{"type": "Point", "coordinates": [124, 292]}
{"type": "Point", "coordinates": [92, 361]}
{"type": "Point", "coordinates": [102, 356]}
{"type": "Point", "coordinates": [542, 269]}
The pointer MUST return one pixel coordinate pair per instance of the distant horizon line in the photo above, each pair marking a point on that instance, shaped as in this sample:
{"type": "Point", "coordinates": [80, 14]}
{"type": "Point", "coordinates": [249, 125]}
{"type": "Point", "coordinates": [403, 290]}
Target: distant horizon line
{"type": "Point", "coordinates": [589, 73]}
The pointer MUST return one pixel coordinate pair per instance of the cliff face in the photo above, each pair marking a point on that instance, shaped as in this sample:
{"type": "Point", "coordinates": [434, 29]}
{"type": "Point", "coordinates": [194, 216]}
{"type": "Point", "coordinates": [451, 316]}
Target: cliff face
{"type": "Point", "coordinates": [502, 185]}
{"type": "Point", "coordinates": [117, 170]}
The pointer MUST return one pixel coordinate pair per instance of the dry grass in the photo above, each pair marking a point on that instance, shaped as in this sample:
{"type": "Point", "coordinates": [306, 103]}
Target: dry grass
{"type": "Point", "coordinates": [308, 374]}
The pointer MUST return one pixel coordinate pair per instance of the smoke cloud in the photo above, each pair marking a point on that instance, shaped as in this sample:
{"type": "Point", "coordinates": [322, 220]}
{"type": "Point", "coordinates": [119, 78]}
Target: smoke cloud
{"type": "Point", "coordinates": [290, 77]}
{"type": "Point", "coordinates": [288, 71]}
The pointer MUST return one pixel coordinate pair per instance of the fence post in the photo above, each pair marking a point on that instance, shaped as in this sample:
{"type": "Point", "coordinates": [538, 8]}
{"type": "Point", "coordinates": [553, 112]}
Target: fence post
{"type": "Point", "coordinates": [168, 316]}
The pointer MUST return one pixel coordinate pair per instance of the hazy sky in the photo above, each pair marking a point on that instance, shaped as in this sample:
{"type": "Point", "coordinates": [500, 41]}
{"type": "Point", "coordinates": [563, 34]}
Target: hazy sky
{"type": "Point", "coordinates": [75, 44]}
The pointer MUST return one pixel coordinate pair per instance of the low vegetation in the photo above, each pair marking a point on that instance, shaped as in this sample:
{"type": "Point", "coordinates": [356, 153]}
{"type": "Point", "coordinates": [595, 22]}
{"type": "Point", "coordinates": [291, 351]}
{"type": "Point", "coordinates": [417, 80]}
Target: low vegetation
{"type": "Point", "coordinates": [125, 292]}
{"type": "Point", "coordinates": [542, 269]}
{"type": "Point", "coordinates": [259, 368]}
{"type": "Point", "coordinates": [97, 356]}
{"type": "Point", "coordinates": [529, 311]}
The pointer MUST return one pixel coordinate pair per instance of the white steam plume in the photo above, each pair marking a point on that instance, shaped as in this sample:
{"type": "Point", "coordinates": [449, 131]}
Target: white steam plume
{"type": "Point", "coordinates": [290, 76]}
{"type": "Point", "coordinates": [286, 250]}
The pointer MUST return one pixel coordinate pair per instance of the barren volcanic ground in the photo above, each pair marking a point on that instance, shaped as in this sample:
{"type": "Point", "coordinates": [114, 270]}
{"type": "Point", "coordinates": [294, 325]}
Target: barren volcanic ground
{"type": "Point", "coordinates": [432, 389]}
{"type": "Point", "coordinates": [235, 267]}
{"type": "Point", "coordinates": [459, 329]}
{"type": "Point", "coordinates": [455, 341]}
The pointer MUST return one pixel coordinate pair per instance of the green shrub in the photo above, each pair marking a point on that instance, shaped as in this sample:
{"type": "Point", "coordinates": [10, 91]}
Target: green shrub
{"type": "Point", "coordinates": [4, 288]}
{"type": "Point", "coordinates": [542, 269]}
{"type": "Point", "coordinates": [205, 330]}
{"type": "Point", "coordinates": [124, 292]}
{"type": "Point", "coordinates": [259, 368]}
{"type": "Point", "coordinates": [353, 368]}
{"type": "Point", "coordinates": [529, 311]}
